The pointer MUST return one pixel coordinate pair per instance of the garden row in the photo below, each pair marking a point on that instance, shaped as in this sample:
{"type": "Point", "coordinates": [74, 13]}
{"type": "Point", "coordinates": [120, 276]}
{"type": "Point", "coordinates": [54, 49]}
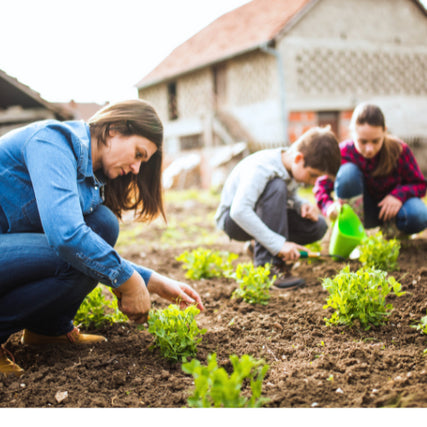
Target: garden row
{"type": "Point", "coordinates": [355, 298]}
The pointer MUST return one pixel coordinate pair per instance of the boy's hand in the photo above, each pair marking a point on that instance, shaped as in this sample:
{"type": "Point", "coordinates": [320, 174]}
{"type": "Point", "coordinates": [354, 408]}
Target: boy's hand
{"type": "Point", "coordinates": [310, 212]}
{"type": "Point", "coordinates": [290, 251]}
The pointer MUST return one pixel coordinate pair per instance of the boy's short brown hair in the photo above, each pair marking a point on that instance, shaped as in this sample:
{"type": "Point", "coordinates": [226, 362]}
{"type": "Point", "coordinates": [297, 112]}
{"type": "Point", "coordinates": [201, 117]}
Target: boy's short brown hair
{"type": "Point", "coordinates": [320, 149]}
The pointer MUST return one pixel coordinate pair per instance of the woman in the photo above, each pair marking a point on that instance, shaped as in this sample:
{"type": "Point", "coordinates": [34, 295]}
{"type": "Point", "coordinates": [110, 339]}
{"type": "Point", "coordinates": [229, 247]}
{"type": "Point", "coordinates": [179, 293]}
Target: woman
{"type": "Point", "coordinates": [62, 187]}
{"type": "Point", "coordinates": [379, 177]}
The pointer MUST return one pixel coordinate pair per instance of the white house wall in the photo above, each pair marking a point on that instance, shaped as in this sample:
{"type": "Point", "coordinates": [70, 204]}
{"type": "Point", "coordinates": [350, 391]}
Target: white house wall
{"type": "Point", "coordinates": [332, 64]}
{"type": "Point", "coordinates": [158, 97]}
{"type": "Point", "coordinates": [253, 96]}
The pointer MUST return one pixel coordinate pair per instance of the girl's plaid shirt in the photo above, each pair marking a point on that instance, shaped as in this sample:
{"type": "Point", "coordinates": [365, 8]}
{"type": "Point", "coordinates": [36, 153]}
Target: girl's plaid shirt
{"type": "Point", "coordinates": [405, 181]}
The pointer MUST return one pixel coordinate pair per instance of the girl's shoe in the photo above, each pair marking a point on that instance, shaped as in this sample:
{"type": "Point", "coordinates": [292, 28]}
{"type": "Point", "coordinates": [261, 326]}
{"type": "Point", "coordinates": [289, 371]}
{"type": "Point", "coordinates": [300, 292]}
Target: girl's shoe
{"type": "Point", "coordinates": [7, 363]}
{"type": "Point", "coordinates": [73, 337]}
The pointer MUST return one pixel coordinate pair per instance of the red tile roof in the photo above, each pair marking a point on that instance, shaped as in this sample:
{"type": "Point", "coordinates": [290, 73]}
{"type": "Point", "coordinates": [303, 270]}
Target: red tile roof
{"type": "Point", "coordinates": [241, 30]}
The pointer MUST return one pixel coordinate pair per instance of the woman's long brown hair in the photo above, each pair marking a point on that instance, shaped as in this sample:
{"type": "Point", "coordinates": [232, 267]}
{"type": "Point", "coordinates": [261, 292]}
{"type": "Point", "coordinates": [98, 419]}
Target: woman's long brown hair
{"type": "Point", "coordinates": [141, 193]}
{"type": "Point", "coordinates": [391, 149]}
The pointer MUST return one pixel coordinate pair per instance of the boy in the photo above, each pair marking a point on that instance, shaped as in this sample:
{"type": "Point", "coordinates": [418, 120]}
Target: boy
{"type": "Point", "coordinates": [259, 200]}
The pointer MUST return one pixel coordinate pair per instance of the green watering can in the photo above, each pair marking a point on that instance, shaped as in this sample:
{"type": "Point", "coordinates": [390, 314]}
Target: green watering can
{"type": "Point", "coordinates": [347, 232]}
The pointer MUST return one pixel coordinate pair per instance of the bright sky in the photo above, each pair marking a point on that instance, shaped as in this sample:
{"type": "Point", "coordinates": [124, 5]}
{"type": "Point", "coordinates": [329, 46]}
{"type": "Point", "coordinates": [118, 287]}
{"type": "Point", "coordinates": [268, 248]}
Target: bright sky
{"type": "Point", "coordinates": [96, 50]}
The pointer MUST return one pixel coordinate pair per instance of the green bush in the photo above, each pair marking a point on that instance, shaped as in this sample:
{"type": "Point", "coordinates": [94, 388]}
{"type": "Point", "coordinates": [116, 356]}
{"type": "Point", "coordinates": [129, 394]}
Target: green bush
{"type": "Point", "coordinates": [175, 331]}
{"type": "Point", "coordinates": [204, 263]}
{"type": "Point", "coordinates": [379, 253]}
{"type": "Point", "coordinates": [254, 283]}
{"type": "Point", "coordinates": [360, 296]}
{"type": "Point", "coordinates": [96, 310]}
{"type": "Point", "coordinates": [214, 388]}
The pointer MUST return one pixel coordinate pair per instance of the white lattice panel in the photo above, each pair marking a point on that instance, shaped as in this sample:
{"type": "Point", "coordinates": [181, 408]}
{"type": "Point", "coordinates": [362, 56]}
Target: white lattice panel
{"type": "Point", "coordinates": [328, 71]}
{"type": "Point", "coordinates": [195, 94]}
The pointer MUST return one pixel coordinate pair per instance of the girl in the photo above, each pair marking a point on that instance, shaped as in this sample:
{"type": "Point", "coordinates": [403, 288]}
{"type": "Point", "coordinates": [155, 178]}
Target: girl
{"type": "Point", "coordinates": [379, 177]}
{"type": "Point", "coordinates": [62, 187]}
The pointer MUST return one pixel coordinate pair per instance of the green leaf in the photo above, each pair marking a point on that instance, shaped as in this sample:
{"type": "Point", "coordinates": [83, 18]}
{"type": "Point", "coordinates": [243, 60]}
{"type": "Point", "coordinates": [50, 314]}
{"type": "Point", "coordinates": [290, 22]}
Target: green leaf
{"type": "Point", "coordinates": [360, 296]}
{"type": "Point", "coordinates": [380, 253]}
{"type": "Point", "coordinates": [175, 331]}
{"type": "Point", "coordinates": [204, 263]}
{"type": "Point", "coordinates": [254, 283]}
{"type": "Point", "coordinates": [214, 388]}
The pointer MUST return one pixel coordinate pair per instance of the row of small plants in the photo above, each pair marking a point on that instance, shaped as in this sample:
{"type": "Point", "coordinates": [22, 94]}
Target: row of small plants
{"type": "Point", "coordinates": [177, 335]}
{"type": "Point", "coordinates": [354, 296]}
{"type": "Point", "coordinates": [254, 282]}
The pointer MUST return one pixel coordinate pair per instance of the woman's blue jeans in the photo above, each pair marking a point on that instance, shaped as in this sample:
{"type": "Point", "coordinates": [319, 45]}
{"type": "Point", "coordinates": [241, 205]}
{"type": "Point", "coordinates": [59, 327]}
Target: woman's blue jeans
{"type": "Point", "coordinates": [38, 290]}
{"type": "Point", "coordinates": [411, 218]}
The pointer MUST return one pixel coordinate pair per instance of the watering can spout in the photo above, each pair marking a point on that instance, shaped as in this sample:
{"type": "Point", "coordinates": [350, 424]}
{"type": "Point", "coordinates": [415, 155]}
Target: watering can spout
{"type": "Point", "coordinates": [347, 232]}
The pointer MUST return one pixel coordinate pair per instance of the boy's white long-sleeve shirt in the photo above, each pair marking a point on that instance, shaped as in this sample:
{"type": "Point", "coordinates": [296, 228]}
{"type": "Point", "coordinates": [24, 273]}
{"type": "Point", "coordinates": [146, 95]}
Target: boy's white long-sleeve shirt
{"type": "Point", "coordinates": [243, 188]}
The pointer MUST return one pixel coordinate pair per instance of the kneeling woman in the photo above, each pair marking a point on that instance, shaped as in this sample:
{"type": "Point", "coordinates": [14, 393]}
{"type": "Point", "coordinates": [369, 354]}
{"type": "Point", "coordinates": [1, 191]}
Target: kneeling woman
{"type": "Point", "coordinates": [63, 186]}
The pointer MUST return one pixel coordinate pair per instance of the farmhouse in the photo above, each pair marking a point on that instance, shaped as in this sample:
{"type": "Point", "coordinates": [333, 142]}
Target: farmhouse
{"type": "Point", "coordinates": [20, 105]}
{"type": "Point", "coordinates": [270, 69]}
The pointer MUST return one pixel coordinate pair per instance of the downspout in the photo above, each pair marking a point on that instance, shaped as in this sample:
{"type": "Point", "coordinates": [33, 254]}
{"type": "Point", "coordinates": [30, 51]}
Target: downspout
{"type": "Point", "coordinates": [281, 74]}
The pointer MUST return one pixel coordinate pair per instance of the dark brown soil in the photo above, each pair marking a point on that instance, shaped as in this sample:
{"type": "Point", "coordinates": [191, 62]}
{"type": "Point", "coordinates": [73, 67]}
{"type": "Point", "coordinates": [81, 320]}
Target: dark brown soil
{"type": "Point", "coordinates": [311, 364]}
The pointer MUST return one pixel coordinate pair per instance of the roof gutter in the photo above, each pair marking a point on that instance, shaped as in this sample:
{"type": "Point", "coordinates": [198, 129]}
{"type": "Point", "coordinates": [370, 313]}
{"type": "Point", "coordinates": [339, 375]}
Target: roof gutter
{"type": "Point", "coordinates": [281, 76]}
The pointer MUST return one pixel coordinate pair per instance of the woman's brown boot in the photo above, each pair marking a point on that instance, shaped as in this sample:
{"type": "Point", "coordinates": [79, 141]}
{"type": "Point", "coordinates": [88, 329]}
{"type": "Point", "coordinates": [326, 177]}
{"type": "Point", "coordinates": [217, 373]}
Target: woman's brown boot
{"type": "Point", "coordinates": [7, 363]}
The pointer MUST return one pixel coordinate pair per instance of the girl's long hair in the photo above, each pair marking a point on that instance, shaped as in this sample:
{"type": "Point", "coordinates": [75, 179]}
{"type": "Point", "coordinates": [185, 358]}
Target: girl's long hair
{"type": "Point", "coordinates": [391, 149]}
{"type": "Point", "coordinates": [141, 193]}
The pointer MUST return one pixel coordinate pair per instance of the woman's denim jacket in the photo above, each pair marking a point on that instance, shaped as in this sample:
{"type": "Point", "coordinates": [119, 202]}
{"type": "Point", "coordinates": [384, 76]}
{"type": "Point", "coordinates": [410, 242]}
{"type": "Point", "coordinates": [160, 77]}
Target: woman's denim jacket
{"type": "Point", "coordinates": [47, 184]}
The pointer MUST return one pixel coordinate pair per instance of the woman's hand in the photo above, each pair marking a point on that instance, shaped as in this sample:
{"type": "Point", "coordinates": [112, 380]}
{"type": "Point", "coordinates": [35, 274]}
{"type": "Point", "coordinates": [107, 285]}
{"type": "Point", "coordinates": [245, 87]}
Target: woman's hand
{"type": "Point", "coordinates": [291, 251]}
{"type": "Point", "coordinates": [390, 206]}
{"type": "Point", "coordinates": [134, 298]}
{"type": "Point", "coordinates": [174, 291]}
{"type": "Point", "coordinates": [309, 211]}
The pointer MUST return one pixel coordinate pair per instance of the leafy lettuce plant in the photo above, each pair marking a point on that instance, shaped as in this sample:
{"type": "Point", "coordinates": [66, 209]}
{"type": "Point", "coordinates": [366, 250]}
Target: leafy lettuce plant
{"type": "Point", "coordinates": [175, 331]}
{"type": "Point", "coordinates": [214, 388]}
{"type": "Point", "coordinates": [96, 310]}
{"type": "Point", "coordinates": [361, 296]}
{"type": "Point", "coordinates": [379, 253]}
{"type": "Point", "coordinates": [254, 283]}
{"type": "Point", "coordinates": [204, 263]}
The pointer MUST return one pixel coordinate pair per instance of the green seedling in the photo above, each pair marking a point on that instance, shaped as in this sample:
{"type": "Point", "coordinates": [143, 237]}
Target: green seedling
{"type": "Point", "coordinates": [379, 253]}
{"type": "Point", "coordinates": [175, 331]}
{"type": "Point", "coordinates": [214, 388]}
{"type": "Point", "coordinates": [254, 283]}
{"type": "Point", "coordinates": [422, 326]}
{"type": "Point", "coordinates": [360, 296]}
{"type": "Point", "coordinates": [204, 263]}
{"type": "Point", "coordinates": [96, 310]}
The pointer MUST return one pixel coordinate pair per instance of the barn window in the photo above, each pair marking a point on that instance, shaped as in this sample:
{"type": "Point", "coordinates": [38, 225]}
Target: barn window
{"type": "Point", "coordinates": [172, 101]}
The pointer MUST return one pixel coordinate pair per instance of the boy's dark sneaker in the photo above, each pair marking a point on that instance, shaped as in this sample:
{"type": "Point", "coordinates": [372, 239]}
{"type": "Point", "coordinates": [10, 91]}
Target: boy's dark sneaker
{"type": "Point", "coordinates": [284, 279]}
